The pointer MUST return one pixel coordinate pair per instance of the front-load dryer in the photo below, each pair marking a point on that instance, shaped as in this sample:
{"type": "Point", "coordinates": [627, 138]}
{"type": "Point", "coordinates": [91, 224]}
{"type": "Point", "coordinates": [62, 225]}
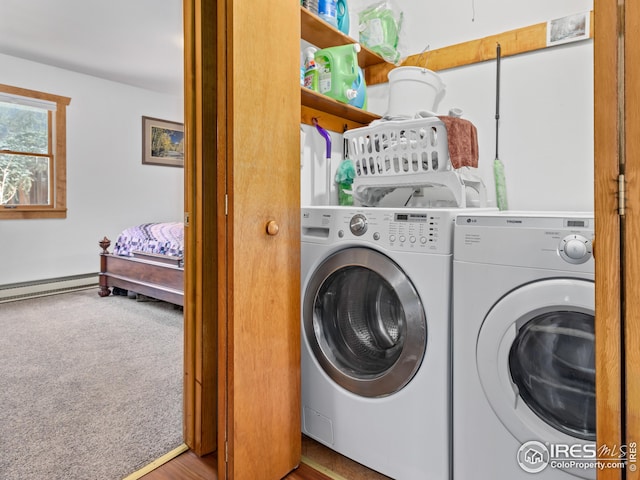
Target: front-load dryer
{"type": "Point", "coordinates": [523, 347]}
{"type": "Point", "coordinates": [375, 336]}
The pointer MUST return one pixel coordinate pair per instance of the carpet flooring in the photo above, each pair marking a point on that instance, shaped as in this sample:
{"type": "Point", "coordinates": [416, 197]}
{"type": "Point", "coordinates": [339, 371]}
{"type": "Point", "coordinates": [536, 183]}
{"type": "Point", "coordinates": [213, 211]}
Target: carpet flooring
{"type": "Point", "coordinates": [90, 387]}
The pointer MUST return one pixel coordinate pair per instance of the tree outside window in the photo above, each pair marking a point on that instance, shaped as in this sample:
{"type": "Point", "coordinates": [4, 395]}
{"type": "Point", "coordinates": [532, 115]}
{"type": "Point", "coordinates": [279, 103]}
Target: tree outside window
{"type": "Point", "coordinates": [32, 154]}
{"type": "Point", "coordinates": [24, 137]}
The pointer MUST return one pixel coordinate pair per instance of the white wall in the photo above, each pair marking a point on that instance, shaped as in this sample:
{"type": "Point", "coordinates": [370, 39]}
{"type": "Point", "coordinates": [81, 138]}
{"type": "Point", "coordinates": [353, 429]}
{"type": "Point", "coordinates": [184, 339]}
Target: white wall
{"type": "Point", "coordinates": [546, 111]}
{"type": "Point", "coordinates": [440, 24]}
{"type": "Point", "coordinates": [314, 164]}
{"type": "Point", "coordinates": [108, 188]}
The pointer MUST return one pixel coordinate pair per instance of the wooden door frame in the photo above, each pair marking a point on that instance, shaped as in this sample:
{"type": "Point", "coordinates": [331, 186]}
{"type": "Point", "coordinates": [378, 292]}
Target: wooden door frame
{"type": "Point", "coordinates": [607, 144]}
{"type": "Point", "coordinates": [203, 206]}
{"type": "Point", "coordinates": [630, 113]}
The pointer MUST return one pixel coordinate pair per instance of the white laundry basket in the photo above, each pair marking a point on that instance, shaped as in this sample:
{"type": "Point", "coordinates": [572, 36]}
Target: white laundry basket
{"type": "Point", "coordinates": [404, 153]}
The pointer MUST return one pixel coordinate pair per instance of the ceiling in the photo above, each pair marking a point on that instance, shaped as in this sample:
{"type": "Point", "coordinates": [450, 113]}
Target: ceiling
{"type": "Point", "coordinates": [136, 42]}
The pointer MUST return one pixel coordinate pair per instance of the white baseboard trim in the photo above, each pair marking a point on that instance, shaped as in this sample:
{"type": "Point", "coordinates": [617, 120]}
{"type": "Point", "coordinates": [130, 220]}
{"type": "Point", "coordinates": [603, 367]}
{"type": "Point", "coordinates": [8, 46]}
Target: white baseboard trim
{"type": "Point", "coordinates": [52, 286]}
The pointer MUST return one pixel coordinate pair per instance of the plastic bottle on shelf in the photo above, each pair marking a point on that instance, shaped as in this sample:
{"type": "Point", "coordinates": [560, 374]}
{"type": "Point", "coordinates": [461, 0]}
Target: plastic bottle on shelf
{"type": "Point", "coordinates": [328, 11]}
{"type": "Point", "coordinates": [310, 69]}
{"type": "Point", "coordinates": [342, 14]}
{"type": "Point", "coordinates": [360, 87]}
{"type": "Point", "coordinates": [311, 5]}
{"type": "Point", "coordinates": [337, 71]}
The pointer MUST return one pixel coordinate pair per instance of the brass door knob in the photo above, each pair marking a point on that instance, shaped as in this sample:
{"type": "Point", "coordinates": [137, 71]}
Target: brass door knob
{"type": "Point", "coordinates": [272, 228]}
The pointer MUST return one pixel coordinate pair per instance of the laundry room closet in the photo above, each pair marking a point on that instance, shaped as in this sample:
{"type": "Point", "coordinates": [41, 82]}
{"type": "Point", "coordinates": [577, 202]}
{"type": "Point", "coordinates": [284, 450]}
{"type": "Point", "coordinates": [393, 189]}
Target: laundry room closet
{"type": "Point", "coordinates": [546, 100]}
{"type": "Point", "coordinates": [546, 127]}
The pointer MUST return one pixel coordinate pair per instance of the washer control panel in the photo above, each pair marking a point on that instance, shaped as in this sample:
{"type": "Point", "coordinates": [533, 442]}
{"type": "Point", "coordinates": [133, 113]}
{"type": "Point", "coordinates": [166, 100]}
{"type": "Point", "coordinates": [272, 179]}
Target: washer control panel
{"type": "Point", "coordinates": [400, 230]}
{"type": "Point", "coordinates": [358, 225]}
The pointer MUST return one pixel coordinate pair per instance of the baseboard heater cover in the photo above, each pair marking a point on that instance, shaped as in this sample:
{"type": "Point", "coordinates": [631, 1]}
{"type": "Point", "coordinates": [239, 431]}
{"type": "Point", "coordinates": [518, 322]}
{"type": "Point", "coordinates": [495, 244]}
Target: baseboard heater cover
{"type": "Point", "coordinates": [51, 286]}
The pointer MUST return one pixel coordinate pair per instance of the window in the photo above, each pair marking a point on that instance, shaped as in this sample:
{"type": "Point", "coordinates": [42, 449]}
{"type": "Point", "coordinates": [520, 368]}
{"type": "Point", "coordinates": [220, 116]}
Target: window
{"type": "Point", "coordinates": [33, 164]}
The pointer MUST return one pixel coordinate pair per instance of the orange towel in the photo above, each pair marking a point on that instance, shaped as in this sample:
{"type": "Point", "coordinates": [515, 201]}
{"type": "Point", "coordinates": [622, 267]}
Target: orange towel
{"type": "Point", "coordinates": [462, 138]}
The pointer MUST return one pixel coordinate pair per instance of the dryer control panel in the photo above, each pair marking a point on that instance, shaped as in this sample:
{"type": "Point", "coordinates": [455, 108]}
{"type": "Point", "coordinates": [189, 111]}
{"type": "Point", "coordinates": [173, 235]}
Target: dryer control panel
{"type": "Point", "coordinates": [418, 230]}
{"type": "Point", "coordinates": [575, 248]}
{"type": "Point", "coordinates": [555, 240]}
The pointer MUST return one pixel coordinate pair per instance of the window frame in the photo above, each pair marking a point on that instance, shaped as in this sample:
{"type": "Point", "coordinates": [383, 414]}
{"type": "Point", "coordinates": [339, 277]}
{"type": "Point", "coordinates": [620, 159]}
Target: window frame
{"type": "Point", "coordinates": [58, 148]}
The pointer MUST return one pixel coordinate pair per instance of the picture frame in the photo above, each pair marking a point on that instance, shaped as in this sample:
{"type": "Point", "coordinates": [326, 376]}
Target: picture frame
{"type": "Point", "coordinates": [572, 28]}
{"type": "Point", "coordinates": [162, 142]}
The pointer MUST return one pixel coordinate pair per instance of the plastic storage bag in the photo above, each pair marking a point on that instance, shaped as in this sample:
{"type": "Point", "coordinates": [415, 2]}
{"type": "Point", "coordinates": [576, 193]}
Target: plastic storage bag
{"type": "Point", "coordinates": [344, 178]}
{"type": "Point", "coordinates": [380, 25]}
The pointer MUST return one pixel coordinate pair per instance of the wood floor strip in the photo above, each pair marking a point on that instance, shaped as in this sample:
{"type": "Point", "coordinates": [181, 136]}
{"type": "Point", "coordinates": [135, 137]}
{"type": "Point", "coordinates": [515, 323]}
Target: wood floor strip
{"type": "Point", "coordinates": [316, 466]}
{"type": "Point", "coordinates": [158, 462]}
{"type": "Point", "coordinates": [318, 463]}
{"type": "Point", "coordinates": [306, 472]}
{"type": "Point", "coordinates": [187, 466]}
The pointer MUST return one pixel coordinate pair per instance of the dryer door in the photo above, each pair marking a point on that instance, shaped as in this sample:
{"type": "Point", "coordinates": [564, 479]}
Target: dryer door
{"type": "Point", "coordinates": [536, 362]}
{"type": "Point", "coordinates": [364, 322]}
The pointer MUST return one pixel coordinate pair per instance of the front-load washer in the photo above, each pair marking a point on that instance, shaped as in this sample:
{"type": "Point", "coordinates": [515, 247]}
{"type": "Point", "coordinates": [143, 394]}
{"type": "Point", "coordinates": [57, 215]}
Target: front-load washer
{"type": "Point", "coordinates": [523, 347]}
{"type": "Point", "coordinates": [375, 327]}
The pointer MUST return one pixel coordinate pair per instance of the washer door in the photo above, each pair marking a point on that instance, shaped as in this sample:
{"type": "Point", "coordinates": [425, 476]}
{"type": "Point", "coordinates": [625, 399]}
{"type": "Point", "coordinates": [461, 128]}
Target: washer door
{"type": "Point", "coordinates": [364, 322]}
{"type": "Point", "coordinates": [536, 361]}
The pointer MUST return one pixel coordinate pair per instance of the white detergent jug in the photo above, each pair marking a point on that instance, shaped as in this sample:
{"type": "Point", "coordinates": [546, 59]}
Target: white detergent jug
{"type": "Point", "coordinates": [413, 90]}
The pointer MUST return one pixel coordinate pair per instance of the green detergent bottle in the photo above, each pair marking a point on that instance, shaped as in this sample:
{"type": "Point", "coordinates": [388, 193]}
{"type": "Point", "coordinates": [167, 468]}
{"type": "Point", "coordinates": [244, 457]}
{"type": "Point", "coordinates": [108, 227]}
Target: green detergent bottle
{"type": "Point", "coordinates": [337, 70]}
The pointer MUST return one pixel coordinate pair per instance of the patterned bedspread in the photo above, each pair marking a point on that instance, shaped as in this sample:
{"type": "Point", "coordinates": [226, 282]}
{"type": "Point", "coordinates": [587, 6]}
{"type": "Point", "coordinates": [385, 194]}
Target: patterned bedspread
{"type": "Point", "coordinates": [160, 238]}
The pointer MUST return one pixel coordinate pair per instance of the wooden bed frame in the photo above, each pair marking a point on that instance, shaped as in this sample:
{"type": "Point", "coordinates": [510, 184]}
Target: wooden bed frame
{"type": "Point", "coordinates": [156, 276]}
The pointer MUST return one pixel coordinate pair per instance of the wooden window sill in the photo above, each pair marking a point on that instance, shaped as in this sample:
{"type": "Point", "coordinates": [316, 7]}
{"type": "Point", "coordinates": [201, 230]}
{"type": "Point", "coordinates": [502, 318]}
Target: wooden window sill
{"type": "Point", "coordinates": [31, 213]}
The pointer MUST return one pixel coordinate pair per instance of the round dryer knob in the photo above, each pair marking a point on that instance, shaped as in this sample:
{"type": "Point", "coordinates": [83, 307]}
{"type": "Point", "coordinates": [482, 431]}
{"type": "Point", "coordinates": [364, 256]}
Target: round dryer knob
{"type": "Point", "coordinates": [358, 225]}
{"type": "Point", "coordinates": [575, 249]}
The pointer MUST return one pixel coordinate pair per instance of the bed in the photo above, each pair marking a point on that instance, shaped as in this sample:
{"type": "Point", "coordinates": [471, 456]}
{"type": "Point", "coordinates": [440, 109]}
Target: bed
{"type": "Point", "coordinates": [147, 259]}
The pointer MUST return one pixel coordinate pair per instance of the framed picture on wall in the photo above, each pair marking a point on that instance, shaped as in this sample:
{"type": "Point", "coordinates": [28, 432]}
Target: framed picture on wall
{"type": "Point", "coordinates": [162, 142]}
{"type": "Point", "coordinates": [572, 28]}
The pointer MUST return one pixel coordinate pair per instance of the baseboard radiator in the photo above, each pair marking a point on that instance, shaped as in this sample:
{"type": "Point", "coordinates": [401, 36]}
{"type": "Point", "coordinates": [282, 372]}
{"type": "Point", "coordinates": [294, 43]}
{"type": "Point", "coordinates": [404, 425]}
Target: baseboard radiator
{"type": "Point", "coordinates": [52, 286]}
